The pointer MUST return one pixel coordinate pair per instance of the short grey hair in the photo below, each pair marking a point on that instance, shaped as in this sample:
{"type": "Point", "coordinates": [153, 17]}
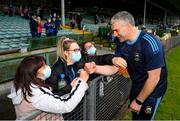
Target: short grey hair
{"type": "Point", "coordinates": [123, 16]}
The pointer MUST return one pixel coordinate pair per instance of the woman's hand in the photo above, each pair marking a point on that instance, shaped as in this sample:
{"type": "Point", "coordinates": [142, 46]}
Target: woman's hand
{"type": "Point", "coordinates": [73, 82]}
{"type": "Point", "coordinates": [84, 75]}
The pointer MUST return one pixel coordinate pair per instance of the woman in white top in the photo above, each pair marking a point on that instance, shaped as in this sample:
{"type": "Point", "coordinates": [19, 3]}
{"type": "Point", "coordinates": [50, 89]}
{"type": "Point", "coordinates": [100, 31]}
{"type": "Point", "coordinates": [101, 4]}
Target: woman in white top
{"type": "Point", "coordinates": [29, 91]}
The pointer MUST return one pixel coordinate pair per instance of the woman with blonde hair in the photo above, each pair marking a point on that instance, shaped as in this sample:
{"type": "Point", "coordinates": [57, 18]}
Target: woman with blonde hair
{"type": "Point", "coordinates": [70, 62]}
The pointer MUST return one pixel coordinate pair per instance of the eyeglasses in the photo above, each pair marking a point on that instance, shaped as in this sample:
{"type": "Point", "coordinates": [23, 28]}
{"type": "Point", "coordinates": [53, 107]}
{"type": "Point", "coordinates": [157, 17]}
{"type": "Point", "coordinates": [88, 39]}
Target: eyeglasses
{"type": "Point", "coordinates": [75, 50]}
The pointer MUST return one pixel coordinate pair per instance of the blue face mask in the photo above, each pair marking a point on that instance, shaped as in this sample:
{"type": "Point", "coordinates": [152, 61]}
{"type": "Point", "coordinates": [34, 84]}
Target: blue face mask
{"type": "Point", "coordinates": [76, 56]}
{"type": "Point", "coordinates": [91, 51]}
{"type": "Point", "coordinates": [46, 72]}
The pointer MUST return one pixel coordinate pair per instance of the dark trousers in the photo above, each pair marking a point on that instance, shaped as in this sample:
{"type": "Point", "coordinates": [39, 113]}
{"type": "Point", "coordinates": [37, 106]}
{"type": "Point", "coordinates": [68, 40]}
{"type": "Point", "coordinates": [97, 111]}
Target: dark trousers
{"type": "Point", "coordinates": [38, 34]}
{"type": "Point", "coordinates": [72, 25]}
{"type": "Point", "coordinates": [55, 32]}
{"type": "Point", "coordinates": [79, 25]}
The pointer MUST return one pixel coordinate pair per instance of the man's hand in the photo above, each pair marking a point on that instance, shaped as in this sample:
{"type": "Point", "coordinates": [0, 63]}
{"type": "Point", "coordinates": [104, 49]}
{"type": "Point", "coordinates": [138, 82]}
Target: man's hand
{"type": "Point", "coordinates": [90, 67]}
{"type": "Point", "coordinates": [134, 107]}
{"type": "Point", "coordinates": [118, 61]}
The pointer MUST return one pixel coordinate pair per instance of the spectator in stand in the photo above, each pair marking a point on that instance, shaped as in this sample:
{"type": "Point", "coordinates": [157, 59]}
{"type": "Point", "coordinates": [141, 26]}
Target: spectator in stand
{"type": "Point", "coordinates": [57, 22]}
{"type": "Point", "coordinates": [30, 93]}
{"type": "Point", "coordinates": [21, 9]}
{"type": "Point", "coordinates": [96, 19]}
{"type": "Point", "coordinates": [33, 25]}
{"type": "Point", "coordinates": [40, 26]}
{"type": "Point", "coordinates": [26, 13]}
{"type": "Point", "coordinates": [49, 27]}
{"type": "Point", "coordinates": [38, 11]}
{"type": "Point", "coordinates": [50, 16]}
{"type": "Point", "coordinates": [10, 9]}
{"type": "Point", "coordinates": [111, 38]}
{"type": "Point", "coordinates": [72, 20]}
{"type": "Point", "coordinates": [55, 26]}
{"type": "Point", "coordinates": [79, 20]}
{"type": "Point", "coordinates": [54, 15]}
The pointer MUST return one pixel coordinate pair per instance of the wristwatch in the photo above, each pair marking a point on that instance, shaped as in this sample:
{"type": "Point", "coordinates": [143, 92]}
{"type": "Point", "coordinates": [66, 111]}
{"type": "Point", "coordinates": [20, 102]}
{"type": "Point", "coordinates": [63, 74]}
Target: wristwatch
{"type": "Point", "coordinates": [138, 102]}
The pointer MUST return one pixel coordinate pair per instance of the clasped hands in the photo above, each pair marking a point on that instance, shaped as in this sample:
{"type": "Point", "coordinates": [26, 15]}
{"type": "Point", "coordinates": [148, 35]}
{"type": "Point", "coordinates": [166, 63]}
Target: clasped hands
{"type": "Point", "coordinates": [90, 67]}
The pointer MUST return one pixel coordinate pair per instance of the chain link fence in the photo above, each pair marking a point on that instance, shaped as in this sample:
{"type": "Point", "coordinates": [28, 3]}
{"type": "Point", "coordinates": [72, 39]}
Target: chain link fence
{"type": "Point", "coordinates": [105, 96]}
{"type": "Point", "coordinates": [171, 43]}
{"type": "Point", "coordinates": [39, 115]}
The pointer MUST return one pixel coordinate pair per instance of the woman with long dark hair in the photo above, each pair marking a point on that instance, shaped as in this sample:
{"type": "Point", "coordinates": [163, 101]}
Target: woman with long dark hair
{"type": "Point", "coordinates": [29, 91]}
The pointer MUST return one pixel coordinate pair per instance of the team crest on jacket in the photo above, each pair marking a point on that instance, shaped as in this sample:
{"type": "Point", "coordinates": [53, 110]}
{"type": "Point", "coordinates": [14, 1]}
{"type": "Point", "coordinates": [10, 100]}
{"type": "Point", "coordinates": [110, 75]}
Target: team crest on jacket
{"type": "Point", "coordinates": [148, 110]}
{"type": "Point", "coordinates": [137, 57]}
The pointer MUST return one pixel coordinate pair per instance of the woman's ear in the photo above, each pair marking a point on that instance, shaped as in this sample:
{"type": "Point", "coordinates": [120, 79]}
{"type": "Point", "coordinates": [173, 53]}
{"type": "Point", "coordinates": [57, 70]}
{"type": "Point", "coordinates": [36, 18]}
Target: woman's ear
{"type": "Point", "coordinates": [66, 54]}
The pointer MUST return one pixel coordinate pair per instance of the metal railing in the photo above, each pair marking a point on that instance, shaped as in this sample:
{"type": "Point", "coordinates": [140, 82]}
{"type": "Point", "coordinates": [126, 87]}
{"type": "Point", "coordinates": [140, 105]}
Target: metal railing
{"type": "Point", "coordinates": [9, 63]}
{"type": "Point", "coordinates": [105, 96]}
{"type": "Point", "coordinates": [171, 43]}
{"type": "Point", "coordinates": [46, 42]}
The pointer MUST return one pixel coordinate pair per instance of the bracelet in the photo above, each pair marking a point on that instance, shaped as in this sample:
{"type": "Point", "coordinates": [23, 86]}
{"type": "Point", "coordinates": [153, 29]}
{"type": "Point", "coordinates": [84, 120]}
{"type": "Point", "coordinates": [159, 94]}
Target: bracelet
{"type": "Point", "coordinates": [138, 102]}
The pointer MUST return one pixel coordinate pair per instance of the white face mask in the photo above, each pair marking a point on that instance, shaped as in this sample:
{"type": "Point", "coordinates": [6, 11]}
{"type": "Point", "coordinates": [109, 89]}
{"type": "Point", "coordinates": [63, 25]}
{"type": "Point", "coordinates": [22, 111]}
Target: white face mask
{"type": "Point", "coordinates": [76, 56]}
{"type": "Point", "coordinates": [46, 72]}
{"type": "Point", "coordinates": [91, 51]}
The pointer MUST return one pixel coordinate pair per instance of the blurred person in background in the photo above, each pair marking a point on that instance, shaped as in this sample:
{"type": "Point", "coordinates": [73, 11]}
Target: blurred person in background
{"type": "Point", "coordinates": [33, 25]}
{"type": "Point", "coordinates": [40, 26]}
{"type": "Point", "coordinates": [79, 20]}
{"type": "Point", "coordinates": [49, 26]}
